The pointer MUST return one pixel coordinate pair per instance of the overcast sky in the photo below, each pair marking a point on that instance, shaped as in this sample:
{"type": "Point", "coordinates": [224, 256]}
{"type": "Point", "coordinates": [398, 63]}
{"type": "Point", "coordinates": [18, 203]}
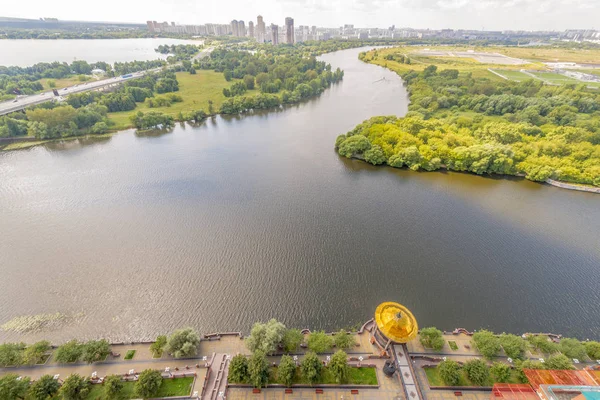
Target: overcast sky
{"type": "Point", "coordinates": [436, 14]}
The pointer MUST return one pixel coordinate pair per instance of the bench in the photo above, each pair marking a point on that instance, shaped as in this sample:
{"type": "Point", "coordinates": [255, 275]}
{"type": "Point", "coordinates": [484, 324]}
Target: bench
{"type": "Point", "coordinates": [458, 394]}
{"type": "Point", "coordinates": [319, 391]}
{"type": "Point", "coordinates": [354, 391]}
{"type": "Point", "coordinates": [255, 390]}
{"type": "Point", "coordinates": [289, 391]}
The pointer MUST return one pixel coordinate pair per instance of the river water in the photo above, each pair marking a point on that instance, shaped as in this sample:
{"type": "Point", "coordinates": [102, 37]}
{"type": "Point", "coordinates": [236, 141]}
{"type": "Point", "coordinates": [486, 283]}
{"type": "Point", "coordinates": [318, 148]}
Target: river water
{"type": "Point", "coordinates": [24, 53]}
{"type": "Point", "coordinates": [243, 219]}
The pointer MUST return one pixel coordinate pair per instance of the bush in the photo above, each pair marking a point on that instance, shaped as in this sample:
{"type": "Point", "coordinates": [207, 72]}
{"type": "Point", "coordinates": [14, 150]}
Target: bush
{"type": "Point", "coordinates": [311, 367]}
{"type": "Point", "coordinates": [431, 338]}
{"type": "Point", "coordinates": [113, 386]}
{"type": "Point", "coordinates": [158, 346]}
{"type": "Point", "coordinates": [343, 340]}
{"type": "Point", "coordinates": [339, 366]}
{"type": "Point", "coordinates": [238, 369]}
{"type": "Point", "coordinates": [148, 383]}
{"type": "Point", "coordinates": [500, 372]}
{"type": "Point", "coordinates": [292, 339]}
{"type": "Point", "coordinates": [572, 348]}
{"type": "Point", "coordinates": [449, 372]}
{"type": "Point", "coordinates": [44, 388]}
{"type": "Point", "coordinates": [183, 343]}
{"type": "Point", "coordinates": [258, 369]}
{"type": "Point", "coordinates": [320, 342]}
{"type": "Point", "coordinates": [514, 346]}
{"type": "Point", "coordinates": [487, 343]}
{"type": "Point", "coordinates": [75, 387]}
{"type": "Point", "coordinates": [68, 352]}
{"type": "Point", "coordinates": [477, 371]}
{"type": "Point", "coordinates": [286, 370]}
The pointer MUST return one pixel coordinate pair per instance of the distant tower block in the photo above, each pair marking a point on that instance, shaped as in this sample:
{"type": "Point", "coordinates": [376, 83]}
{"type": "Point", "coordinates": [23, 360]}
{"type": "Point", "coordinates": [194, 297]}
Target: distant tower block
{"type": "Point", "coordinates": [394, 324]}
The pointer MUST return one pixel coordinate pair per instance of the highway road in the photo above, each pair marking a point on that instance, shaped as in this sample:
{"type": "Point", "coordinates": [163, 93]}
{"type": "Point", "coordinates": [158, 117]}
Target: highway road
{"type": "Point", "coordinates": [22, 102]}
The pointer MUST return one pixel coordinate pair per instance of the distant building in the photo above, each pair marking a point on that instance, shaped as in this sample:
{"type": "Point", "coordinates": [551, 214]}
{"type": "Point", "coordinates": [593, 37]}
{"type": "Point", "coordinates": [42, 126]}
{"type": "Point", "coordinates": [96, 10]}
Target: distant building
{"type": "Point", "coordinates": [289, 31]}
{"type": "Point", "coordinates": [363, 35]}
{"type": "Point", "coordinates": [260, 29]}
{"type": "Point", "coordinates": [274, 34]}
{"type": "Point", "coordinates": [251, 29]}
{"type": "Point", "coordinates": [241, 29]}
{"type": "Point", "coordinates": [234, 28]}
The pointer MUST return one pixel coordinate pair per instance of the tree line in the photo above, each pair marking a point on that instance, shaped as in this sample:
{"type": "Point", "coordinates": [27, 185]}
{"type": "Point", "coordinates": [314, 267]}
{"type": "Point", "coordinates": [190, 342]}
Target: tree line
{"type": "Point", "coordinates": [466, 123]}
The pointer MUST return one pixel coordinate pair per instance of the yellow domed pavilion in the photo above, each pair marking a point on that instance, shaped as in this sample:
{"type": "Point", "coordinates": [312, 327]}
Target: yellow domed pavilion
{"type": "Point", "coordinates": [394, 323]}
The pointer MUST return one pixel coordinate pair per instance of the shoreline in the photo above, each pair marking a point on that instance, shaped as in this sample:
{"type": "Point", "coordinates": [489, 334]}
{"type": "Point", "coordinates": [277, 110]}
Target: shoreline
{"type": "Point", "coordinates": [551, 182]}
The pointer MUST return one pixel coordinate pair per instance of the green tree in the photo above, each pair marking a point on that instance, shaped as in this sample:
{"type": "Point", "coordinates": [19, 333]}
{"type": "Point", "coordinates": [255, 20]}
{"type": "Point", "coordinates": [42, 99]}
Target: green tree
{"type": "Point", "coordinates": [44, 388]}
{"type": "Point", "coordinates": [514, 346]}
{"type": "Point", "coordinates": [249, 82]}
{"type": "Point", "coordinates": [354, 145]}
{"type": "Point", "coordinates": [339, 366]}
{"type": "Point", "coordinates": [487, 343]}
{"type": "Point", "coordinates": [449, 372]}
{"type": "Point", "coordinates": [558, 361]}
{"type": "Point", "coordinates": [292, 339]}
{"type": "Point", "coordinates": [183, 343]}
{"type": "Point", "coordinates": [286, 370]}
{"type": "Point", "coordinates": [113, 387]}
{"type": "Point", "coordinates": [343, 340]}
{"type": "Point", "coordinates": [13, 388]}
{"type": "Point", "coordinates": [593, 350]}
{"type": "Point", "coordinates": [11, 354]}
{"type": "Point", "coordinates": [320, 342]}
{"type": "Point", "coordinates": [431, 338]}
{"type": "Point", "coordinates": [75, 387]}
{"type": "Point", "coordinates": [542, 344]}
{"type": "Point", "coordinates": [572, 348]}
{"type": "Point", "coordinates": [477, 371]}
{"type": "Point", "coordinates": [34, 353]}
{"type": "Point", "coordinates": [68, 352]}
{"type": "Point", "coordinates": [51, 84]}
{"type": "Point", "coordinates": [311, 368]}
{"type": "Point", "coordinates": [95, 350]}
{"type": "Point", "coordinates": [258, 369]}
{"type": "Point", "coordinates": [375, 155]}
{"type": "Point", "coordinates": [158, 346]}
{"type": "Point", "coordinates": [266, 337]}
{"type": "Point", "coordinates": [211, 107]}
{"type": "Point", "coordinates": [238, 369]}
{"type": "Point", "coordinates": [148, 383]}
{"type": "Point", "coordinates": [500, 372]}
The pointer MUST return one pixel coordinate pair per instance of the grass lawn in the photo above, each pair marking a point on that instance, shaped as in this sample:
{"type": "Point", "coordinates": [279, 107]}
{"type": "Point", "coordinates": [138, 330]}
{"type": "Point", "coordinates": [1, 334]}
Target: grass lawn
{"type": "Point", "coordinates": [453, 345]}
{"type": "Point", "coordinates": [553, 77]}
{"type": "Point", "coordinates": [356, 376]}
{"type": "Point", "coordinates": [169, 388]}
{"type": "Point", "coordinates": [129, 355]}
{"type": "Point", "coordinates": [60, 83]}
{"type": "Point", "coordinates": [195, 90]}
{"type": "Point", "coordinates": [513, 75]}
{"type": "Point", "coordinates": [435, 379]}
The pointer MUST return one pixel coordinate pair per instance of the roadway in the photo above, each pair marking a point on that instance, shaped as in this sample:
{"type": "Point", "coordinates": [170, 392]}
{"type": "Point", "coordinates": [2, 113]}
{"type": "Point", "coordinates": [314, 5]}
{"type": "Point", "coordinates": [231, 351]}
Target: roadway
{"type": "Point", "coordinates": [22, 102]}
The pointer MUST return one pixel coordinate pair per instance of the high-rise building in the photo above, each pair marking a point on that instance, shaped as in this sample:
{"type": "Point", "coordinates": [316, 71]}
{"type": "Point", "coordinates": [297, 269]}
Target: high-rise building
{"type": "Point", "coordinates": [250, 28]}
{"type": "Point", "coordinates": [274, 34]}
{"type": "Point", "coordinates": [241, 29]}
{"type": "Point", "coordinates": [234, 28]}
{"type": "Point", "coordinates": [260, 29]}
{"type": "Point", "coordinates": [289, 31]}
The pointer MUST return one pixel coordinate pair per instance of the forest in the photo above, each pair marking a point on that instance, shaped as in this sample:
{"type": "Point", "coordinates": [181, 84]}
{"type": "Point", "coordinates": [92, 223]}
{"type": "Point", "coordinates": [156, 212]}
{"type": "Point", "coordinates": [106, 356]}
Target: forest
{"type": "Point", "coordinates": [465, 123]}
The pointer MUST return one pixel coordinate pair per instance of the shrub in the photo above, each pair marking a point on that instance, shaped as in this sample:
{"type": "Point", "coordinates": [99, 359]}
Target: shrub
{"type": "Point", "coordinates": [320, 342]}
{"type": "Point", "coordinates": [449, 372]}
{"type": "Point", "coordinates": [292, 338]}
{"type": "Point", "coordinates": [158, 346]}
{"type": "Point", "coordinates": [477, 371]}
{"type": "Point", "coordinates": [238, 369]}
{"type": "Point", "coordinates": [343, 340]}
{"type": "Point", "coordinates": [431, 338]}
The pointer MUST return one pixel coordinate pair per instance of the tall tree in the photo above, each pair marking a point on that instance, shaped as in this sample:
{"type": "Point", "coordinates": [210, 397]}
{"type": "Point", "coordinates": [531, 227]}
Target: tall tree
{"type": "Point", "coordinates": [311, 368]}
{"type": "Point", "coordinates": [286, 370]}
{"type": "Point", "coordinates": [266, 337]}
{"type": "Point", "coordinates": [258, 368]}
{"type": "Point", "coordinates": [13, 388]}
{"type": "Point", "coordinates": [95, 350]}
{"type": "Point", "coordinates": [449, 372]}
{"type": "Point", "coordinates": [431, 338]}
{"type": "Point", "coordinates": [487, 343]}
{"type": "Point", "coordinates": [113, 387]}
{"type": "Point", "coordinates": [292, 339]}
{"type": "Point", "coordinates": [75, 387]}
{"type": "Point", "coordinates": [44, 388]}
{"type": "Point", "coordinates": [339, 366]}
{"type": "Point", "coordinates": [183, 343]}
{"type": "Point", "coordinates": [320, 342]}
{"type": "Point", "coordinates": [238, 369]}
{"type": "Point", "coordinates": [148, 383]}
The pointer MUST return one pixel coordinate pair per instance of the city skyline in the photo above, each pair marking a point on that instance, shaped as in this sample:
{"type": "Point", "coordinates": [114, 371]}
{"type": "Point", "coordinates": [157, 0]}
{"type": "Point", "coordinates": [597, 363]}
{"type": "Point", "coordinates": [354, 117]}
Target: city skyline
{"type": "Point", "coordinates": [526, 15]}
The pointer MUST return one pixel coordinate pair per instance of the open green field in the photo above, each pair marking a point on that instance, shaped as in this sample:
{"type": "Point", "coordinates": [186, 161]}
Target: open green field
{"type": "Point", "coordinates": [555, 78]}
{"type": "Point", "coordinates": [434, 378]}
{"type": "Point", "coordinates": [169, 388]}
{"type": "Point", "coordinates": [513, 75]}
{"type": "Point", "coordinates": [196, 91]}
{"type": "Point", "coordinates": [60, 83]}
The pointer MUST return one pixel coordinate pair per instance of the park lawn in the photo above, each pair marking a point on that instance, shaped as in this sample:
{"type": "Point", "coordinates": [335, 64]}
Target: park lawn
{"type": "Point", "coordinates": [196, 90]}
{"type": "Point", "coordinates": [555, 78]}
{"type": "Point", "coordinates": [513, 75]}
{"type": "Point", "coordinates": [550, 54]}
{"type": "Point", "coordinates": [356, 376]}
{"type": "Point", "coordinates": [434, 378]}
{"type": "Point", "coordinates": [168, 388]}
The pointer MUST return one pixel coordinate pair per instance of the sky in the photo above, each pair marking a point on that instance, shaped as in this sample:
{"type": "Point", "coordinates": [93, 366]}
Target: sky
{"type": "Point", "coordinates": [435, 14]}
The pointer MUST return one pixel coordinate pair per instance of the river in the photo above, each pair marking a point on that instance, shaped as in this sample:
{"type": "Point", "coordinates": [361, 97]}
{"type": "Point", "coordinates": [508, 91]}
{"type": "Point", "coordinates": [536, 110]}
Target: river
{"type": "Point", "coordinates": [243, 219]}
{"type": "Point", "coordinates": [24, 53]}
